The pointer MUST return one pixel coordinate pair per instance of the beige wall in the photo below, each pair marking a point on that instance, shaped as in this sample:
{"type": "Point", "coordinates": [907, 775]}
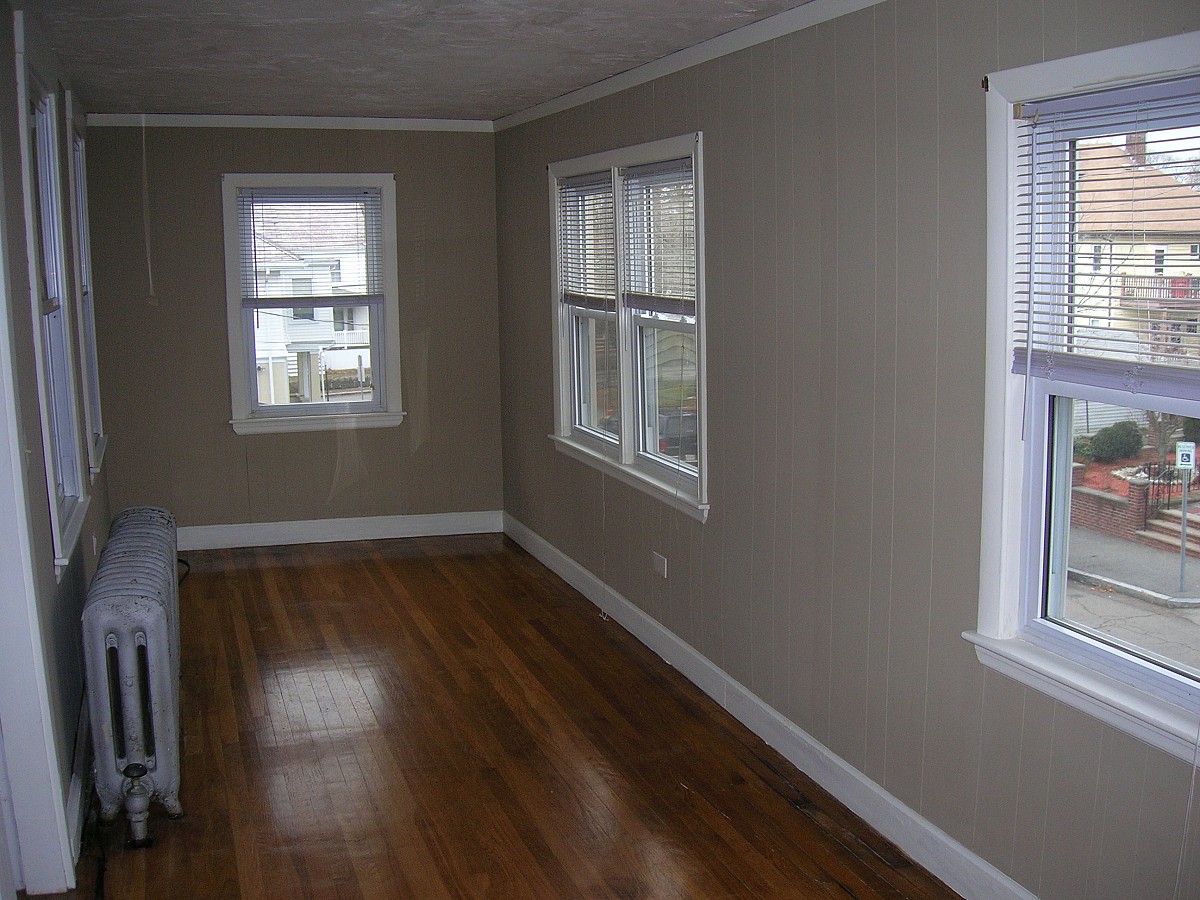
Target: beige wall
{"type": "Point", "coordinates": [165, 368]}
{"type": "Point", "coordinates": [844, 170]}
{"type": "Point", "coordinates": [40, 645]}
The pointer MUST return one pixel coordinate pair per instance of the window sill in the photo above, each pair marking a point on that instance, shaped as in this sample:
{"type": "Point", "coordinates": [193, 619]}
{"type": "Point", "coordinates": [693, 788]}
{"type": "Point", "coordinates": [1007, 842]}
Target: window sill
{"type": "Point", "coordinates": [1161, 724]}
{"type": "Point", "coordinates": [97, 456]}
{"type": "Point", "coordinates": [72, 530]}
{"type": "Point", "coordinates": [660, 488]}
{"type": "Point", "coordinates": [331, 422]}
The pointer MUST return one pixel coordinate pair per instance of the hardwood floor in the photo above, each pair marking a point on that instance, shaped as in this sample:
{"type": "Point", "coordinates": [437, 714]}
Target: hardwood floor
{"type": "Point", "coordinates": [444, 717]}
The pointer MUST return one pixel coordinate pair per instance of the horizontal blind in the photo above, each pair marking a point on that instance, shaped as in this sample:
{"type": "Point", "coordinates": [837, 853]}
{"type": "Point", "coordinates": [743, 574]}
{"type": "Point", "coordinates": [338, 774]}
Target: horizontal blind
{"type": "Point", "coordinates": [49, 212]}
{"type": "Point", "coordinates": [320, 245]}
{"type": "Point", "coordinates": [587, 243]}
{"type": "Point", "coordinates": [659, 223]}
{"type": "Point", "coordinates": [1107, 213]}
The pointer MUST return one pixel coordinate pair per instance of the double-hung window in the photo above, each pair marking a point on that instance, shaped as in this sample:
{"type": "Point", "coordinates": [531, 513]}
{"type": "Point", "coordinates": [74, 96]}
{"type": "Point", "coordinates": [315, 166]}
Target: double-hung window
{"type": "Point", "coordinates": [63, 452]}
{"type": "Point", "coordinates": [1086, 579]}
{"type": "Point", "coordinates": [629, 314]}
{"type": "Point", "coordinates": [305, 255]}
{"type": "Point", "coordinates": [85, 306]}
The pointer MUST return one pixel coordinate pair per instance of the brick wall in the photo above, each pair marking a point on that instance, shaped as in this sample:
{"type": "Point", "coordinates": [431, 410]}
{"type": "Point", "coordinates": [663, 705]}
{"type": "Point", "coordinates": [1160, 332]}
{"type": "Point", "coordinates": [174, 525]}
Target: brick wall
{"type": "Point", "coordinates": [1123, 517]}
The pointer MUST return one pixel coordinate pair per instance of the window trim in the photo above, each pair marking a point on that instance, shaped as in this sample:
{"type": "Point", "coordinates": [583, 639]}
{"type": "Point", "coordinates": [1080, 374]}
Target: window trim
{"type": "Point", "coordinates": [67, 513]}
{"type": "Point", "coordinates": [620, 458]}
{"type": "Point", "coordinates": [249, 417]}
{"type": "Point", "coordinates": [1001, 639]}
{"type": "Point", "coordinates": [95, 438]}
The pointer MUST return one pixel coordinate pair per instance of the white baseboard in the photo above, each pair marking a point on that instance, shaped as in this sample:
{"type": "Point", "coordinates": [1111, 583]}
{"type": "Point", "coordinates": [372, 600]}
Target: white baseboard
{"type": "Point", "coordinates": [81, 767]}
{"type": "Point", "coordinates": [11, 879]}
{"type": "Point", "coordinates": [924, 842]}
{"type": "Point", "coordinates": [321, 531]}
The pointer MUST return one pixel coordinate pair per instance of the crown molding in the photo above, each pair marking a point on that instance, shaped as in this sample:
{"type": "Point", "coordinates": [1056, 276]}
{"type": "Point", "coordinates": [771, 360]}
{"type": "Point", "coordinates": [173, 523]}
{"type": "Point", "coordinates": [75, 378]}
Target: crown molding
{"type": "Point", "coordinates": [805, 16]}
{"type": "Point", "coordinates": [170, 120]}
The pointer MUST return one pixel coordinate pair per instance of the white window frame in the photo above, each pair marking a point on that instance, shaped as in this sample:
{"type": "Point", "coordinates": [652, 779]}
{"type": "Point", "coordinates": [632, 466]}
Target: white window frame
{"type": "Point", "coordinates": [1137, 697]}
{"type": "Point", "coordinates": [677, 486]}
{"type": "Point", "coordinates": [251, 417]}
{"type": "Point", "coordinates": [96, 441]}
{"type": "Point", "coordinates": [38, 102]}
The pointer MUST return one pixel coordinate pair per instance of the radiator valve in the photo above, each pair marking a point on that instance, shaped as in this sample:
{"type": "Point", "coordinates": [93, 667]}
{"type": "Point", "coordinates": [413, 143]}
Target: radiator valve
{"type": "Point", "coordinates": [137, 805]}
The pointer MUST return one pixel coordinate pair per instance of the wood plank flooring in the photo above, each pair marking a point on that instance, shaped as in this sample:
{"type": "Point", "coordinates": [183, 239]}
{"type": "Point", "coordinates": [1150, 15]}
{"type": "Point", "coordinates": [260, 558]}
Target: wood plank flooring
{"type": "Point", "coordinates": [444, 717]}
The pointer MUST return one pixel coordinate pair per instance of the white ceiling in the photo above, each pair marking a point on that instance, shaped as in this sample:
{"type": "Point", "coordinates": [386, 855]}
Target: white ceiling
{"type": "Point", "coordinates": [463, 59]}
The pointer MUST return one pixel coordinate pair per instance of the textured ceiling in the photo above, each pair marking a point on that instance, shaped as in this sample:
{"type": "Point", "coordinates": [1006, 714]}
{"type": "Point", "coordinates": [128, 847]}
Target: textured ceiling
{"type": "Point", "coordinates": [473, 59]}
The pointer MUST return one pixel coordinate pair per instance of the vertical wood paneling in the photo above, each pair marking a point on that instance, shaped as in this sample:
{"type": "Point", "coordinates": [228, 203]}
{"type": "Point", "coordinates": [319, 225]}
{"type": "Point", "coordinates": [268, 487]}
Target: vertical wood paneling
{"type": "Point", "coordinates": [916, 397]}
{"type": "Point", "coordinates": [853, 426]}
{"type": "Point", "coordinates": [1118, 786]}
{"type": "Point", "coordinates": [1059, 28]}
{"type": "Point", "coordinates": [845, 226]}
{"type": "Point", "coordinates": [675, 103]}
{"type": "Point", "coordinates": [1072, 803]}
{"type": "Point", "coordinates": [164, 364]}
{"type": "Point", "coordinates": [1020, 39]}
{"type": "Point", "coordinates": [789, 297]}
{"type": "Point", "coordinates": [1161, 815]}
{"type": "Point", "coordinates": [885, 176]}
{"type": "Point", "coordinates": [822, 476]}
{"type": "Point", "coordinates": [762, 440]}
{"type": "Point", "coordinates": [999, 771]}
{"type": "Point", "coordinates": [734, 420]}
{"type": "Point", "coordinates": [809, 504]}
{"type": "Point", "coordinates": [718, 312]}
{"type": "Point", "coordinates": [956, 678]}
{"type": "Point", "coordinates": [1033, 789]}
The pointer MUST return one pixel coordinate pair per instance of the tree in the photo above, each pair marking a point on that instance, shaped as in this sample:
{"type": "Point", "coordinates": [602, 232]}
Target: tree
{"type": "Point", "coordinates": [1161, 429]}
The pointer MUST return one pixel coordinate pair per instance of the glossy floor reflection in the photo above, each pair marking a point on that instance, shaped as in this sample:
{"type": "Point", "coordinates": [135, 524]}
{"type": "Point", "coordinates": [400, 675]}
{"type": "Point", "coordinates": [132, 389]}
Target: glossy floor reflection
{"type": "Point", "coordinates": [443, 717]}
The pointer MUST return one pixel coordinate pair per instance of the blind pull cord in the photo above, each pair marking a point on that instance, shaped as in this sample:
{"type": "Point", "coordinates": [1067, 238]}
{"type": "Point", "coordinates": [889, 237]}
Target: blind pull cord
{"type": "Point", "coordinates": [151, 298]}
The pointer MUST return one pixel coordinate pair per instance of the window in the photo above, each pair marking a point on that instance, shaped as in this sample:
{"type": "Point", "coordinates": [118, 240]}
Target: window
{"type": "Point", "coordinates": [328, 241]}
{"type": "Point", "coordinates": [85, 308]}
{"type": "Point", "coordinates": [48, 276]}
{"type": "Point", "coordinates": [629, 308]}
{"type": "Point", "coordinates": [1089, 366]}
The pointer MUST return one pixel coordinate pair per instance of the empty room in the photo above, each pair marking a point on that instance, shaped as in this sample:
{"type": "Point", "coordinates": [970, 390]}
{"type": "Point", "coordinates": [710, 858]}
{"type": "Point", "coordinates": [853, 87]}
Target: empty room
{"type": "Point", "coordinates": [670, 449]}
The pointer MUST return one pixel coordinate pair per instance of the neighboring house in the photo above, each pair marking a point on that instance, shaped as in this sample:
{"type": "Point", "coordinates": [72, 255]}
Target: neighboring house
{"type": "Point", "coordinates": [1141, 261]}
{"type": "Point", "coordinates": [1141, 266]}
{"type": "Point", "coordinates": [297, 348]}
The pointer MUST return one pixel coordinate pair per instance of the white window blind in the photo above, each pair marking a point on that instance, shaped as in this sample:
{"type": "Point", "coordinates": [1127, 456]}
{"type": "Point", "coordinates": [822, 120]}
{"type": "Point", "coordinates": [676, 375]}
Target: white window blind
{"type": "Point", "coordinates": [1119, 170]}
{"type": "Point", "coordinates": [45, 147]}
{"type": "Point", "coordinates": [587, 264]}
{"type": "Point", "coordinates": [660, 237]}
{"type": "Point", "coordinates": [288, 229]}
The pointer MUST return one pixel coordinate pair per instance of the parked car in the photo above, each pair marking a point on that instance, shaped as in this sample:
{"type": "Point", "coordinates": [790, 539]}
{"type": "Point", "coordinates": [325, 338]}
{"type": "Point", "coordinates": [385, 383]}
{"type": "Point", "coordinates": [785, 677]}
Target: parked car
{"type": "Point", "coordinates": [677, 435]}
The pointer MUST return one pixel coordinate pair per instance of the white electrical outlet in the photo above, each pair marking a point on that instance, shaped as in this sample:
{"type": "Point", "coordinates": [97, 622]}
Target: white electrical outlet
{"type": "Point", "coordinates": [660, 564]}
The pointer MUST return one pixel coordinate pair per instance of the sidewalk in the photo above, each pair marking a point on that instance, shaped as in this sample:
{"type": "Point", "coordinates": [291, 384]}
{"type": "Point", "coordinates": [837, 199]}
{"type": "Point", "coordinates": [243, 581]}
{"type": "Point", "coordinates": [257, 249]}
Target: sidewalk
{"type": "Point", "coordinates": [1131, 592]}
{"type": "Point", "coordinates": [1116, 563]}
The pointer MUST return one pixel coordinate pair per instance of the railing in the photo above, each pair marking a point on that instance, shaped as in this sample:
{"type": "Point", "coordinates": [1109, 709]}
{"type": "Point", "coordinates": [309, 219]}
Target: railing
{"type": "Point", "coordinates": [1166, 487]}
{"type": "Point", "coordinates": [1162, 288]}
{"type": "Point", "coordinates": [352, 337]}
{"type": "Point", "coordinates": [324, 332]}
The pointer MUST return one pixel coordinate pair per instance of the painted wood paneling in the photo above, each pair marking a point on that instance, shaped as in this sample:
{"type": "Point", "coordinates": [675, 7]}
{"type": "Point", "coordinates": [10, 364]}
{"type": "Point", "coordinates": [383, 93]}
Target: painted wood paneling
{"type": "Point", "coordinates": [164, 360]}
{"type": "Point", "coordinates": [844, 169]}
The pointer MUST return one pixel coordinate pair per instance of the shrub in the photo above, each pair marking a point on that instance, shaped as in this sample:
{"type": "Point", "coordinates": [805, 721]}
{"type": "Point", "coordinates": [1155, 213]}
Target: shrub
{"type": "Point", "coordinates": [1118, 441]}
{"type": "Point", "coordinates": [1083, 449]}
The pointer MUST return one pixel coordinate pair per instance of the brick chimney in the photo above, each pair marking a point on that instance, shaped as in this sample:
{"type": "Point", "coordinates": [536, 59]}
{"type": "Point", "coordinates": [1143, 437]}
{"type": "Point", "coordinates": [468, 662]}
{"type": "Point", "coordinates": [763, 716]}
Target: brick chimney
{"type": "Point", "coordinates": [1135, 146]}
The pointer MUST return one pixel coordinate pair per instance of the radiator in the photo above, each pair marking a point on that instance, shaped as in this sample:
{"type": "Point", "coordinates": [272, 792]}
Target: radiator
{"type": "Point", "coordinates": [131, 658]}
